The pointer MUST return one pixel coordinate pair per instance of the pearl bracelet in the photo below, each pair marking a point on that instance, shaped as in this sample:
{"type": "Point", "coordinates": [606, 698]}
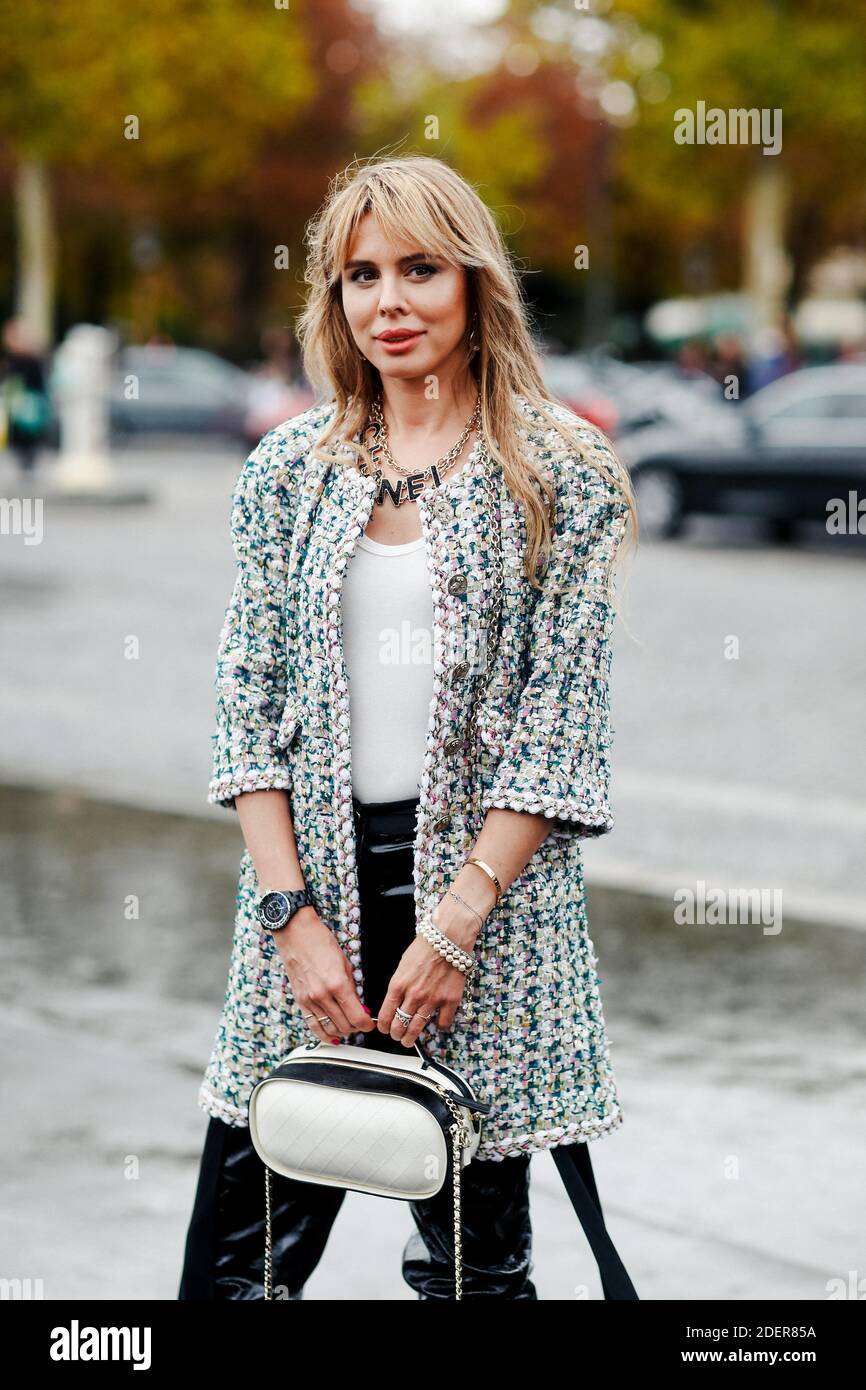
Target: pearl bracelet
{"type": "Point", "coordinates": [454, 954]}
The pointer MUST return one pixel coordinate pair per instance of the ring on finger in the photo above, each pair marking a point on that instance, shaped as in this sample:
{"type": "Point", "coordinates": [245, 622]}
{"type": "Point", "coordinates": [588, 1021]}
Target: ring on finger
{"type": "Point", "coordinates": [404, 1018]}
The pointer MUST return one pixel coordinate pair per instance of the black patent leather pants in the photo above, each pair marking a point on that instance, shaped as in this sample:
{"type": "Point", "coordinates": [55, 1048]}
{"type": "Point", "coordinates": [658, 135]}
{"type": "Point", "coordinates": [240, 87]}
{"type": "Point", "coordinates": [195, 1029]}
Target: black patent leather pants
{"type": "Point", "coordinates": [224, 1254]}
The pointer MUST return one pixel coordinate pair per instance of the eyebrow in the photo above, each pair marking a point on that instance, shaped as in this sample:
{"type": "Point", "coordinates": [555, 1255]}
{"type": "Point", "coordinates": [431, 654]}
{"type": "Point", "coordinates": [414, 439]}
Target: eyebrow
{"type": "Point", "coordinates": [404, 260]}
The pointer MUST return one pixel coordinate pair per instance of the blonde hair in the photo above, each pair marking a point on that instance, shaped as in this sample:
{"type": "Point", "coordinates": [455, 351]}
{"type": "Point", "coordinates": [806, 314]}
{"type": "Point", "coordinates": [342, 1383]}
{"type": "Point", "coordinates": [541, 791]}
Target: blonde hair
{"type": "Point", "coordinates": [423, 201]}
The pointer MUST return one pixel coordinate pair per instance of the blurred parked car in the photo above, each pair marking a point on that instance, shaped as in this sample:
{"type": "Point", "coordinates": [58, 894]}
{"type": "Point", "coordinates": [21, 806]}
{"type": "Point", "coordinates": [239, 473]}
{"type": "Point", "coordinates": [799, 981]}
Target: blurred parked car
{"type": "Point", "coordinates": [623, 396]}
{"type": "Point", "coordinates": [781, 454]}
{"type": "Point", "coordinates": [570, 379]}
{"type": "Point", "coordinates": [650, 393]}
{"type": "Point", "coordinates": [178, 389]}
{"type": "Point", "coordinates": [271, 401]}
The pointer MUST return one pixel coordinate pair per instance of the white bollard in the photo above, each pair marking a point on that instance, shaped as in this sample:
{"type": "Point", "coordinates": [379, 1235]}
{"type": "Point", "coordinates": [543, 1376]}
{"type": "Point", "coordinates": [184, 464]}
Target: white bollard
{"type": "Point", "coordinates": [82, 388]}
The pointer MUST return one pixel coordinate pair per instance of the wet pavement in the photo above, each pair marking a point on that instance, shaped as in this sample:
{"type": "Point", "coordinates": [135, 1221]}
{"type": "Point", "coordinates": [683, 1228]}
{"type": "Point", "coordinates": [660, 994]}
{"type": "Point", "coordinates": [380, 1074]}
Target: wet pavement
{"type": "Point", "coordinates": [739, 1056]}
{"type": "Point", "coordinates": [739, 1051]}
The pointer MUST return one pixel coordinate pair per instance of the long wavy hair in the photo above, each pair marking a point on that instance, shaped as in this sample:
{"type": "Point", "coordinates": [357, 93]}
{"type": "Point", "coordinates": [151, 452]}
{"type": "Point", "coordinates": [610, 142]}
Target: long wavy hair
{"type": "Point", "coordinates": [423, 201]}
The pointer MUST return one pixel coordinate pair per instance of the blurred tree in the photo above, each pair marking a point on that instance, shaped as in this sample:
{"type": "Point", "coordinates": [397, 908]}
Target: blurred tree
{"type": "Point", "coordinates": [521, 135]}
{"type": "Point", "coordinates": [179, 144]}
{"type": "Point", "coordinates": [747, 210]}
{"type": "Point", "coordinates": [185, 122]}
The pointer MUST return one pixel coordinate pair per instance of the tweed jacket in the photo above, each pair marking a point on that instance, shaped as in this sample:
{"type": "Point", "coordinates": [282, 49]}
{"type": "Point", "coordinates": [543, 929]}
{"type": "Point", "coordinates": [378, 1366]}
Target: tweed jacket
{"type": "Point", "coordinates": [529, 1034]}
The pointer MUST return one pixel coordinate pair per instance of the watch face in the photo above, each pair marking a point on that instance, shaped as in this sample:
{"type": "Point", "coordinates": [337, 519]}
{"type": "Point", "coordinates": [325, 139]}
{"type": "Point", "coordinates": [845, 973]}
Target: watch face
{"type": "Point", "coordinates": [274, 909]}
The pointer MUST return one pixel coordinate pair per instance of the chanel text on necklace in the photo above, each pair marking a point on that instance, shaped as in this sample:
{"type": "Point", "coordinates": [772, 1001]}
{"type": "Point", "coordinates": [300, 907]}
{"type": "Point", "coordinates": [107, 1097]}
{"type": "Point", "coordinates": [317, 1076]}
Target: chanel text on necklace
{"type": "Point", "coordinates": [405, 489]}
{"type": "Point", "coordinates": [409, 488]}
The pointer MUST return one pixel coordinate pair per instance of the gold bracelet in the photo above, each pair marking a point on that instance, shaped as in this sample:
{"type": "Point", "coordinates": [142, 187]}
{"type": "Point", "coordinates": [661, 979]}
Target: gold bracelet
{"type": "Point", "coordinates": [490, 874]}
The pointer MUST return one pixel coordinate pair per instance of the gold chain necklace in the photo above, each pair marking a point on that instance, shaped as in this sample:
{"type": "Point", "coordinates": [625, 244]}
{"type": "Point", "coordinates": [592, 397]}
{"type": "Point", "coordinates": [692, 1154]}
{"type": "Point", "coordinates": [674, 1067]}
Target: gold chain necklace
{"type": "Point", "coordinates": [408, 488]}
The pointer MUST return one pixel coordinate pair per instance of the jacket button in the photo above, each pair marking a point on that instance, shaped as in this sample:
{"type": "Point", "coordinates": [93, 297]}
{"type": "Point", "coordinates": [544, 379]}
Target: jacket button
{"type": "Point", "coordinates": [453, 744]}
{"type": "Point", "coordinates": [461, 671]}
{"type": "Point", "coordinates": [441, 823]}
{"type": "Point", "coordinates": [457, 584]}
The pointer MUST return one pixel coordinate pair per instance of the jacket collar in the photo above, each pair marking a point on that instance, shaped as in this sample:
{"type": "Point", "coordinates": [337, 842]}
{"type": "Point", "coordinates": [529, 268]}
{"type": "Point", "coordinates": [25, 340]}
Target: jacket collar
{"type": "Point", "coordinates": [349, 490]}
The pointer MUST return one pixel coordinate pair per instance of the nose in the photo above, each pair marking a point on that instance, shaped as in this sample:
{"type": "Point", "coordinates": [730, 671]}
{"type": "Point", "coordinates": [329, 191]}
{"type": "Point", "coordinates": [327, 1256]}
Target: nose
{"type": "Point", "coordinates": [392, 293]}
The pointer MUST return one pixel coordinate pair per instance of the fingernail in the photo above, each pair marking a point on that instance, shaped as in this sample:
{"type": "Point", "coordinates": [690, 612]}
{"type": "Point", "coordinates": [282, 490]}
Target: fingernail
{"type": "Point", "coordinates": [366, 1010]}
{"type": "Point", "coordinates": [335, 1040]}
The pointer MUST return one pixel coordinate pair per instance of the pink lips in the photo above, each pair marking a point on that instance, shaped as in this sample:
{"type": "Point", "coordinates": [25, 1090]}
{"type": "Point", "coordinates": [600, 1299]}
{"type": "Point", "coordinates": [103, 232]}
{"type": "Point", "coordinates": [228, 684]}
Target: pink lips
{"type": "Point", "coordinates": [396, 344]}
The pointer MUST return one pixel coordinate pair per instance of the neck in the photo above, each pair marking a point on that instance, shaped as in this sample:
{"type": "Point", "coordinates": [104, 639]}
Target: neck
{"type": "Point", "coordinates": [408, 411]}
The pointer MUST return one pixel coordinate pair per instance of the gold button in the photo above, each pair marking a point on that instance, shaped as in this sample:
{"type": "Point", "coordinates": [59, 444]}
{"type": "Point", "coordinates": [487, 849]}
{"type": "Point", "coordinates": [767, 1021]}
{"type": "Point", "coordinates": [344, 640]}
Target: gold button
{"type": "Point", "coordinates": [453, 744]}
{"type": "Point", "coordinates": [441, 823]}
{"type": "Point", "coordinates": [457, 584]}
{"type": "Point", "coordinates": [461, 671]}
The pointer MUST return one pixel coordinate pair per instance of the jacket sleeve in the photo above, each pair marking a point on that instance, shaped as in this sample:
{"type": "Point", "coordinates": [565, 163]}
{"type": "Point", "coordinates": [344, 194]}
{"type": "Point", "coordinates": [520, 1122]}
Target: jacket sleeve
{"type": "Point", "coordinates": [250, 678]}
{"type": "Point", "coordinates": [556, 757]}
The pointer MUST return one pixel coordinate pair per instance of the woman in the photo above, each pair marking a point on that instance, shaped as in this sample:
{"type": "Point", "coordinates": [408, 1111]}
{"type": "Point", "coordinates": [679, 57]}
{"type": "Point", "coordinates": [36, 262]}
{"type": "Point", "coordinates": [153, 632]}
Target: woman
{"type": "Point", "coordinates": [392, 756]}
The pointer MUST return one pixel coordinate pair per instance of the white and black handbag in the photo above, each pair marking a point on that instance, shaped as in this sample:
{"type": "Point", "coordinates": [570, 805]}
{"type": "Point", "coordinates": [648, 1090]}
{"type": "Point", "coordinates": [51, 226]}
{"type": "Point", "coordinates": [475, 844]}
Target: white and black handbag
{"type": "Point", "coordinates": [367, 1120]}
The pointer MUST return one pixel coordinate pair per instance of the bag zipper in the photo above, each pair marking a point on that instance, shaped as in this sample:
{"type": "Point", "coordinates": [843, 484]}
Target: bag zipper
{"type": "Point", "coordinates": [469, 1101]}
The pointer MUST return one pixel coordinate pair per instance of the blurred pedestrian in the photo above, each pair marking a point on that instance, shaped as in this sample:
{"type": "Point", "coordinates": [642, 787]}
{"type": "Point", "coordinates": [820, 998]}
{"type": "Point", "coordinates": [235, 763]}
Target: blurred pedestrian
{"type": "Point", "coordinates": [692, 356]}
{"type": "Point", "coordinates": [278, 388]}
{"type": "Point", "coordinates": [24, 398]}
{"type": "Point", "coordinates": [727, 364]}
{"type": "Point", "coordinates": [775, 354]}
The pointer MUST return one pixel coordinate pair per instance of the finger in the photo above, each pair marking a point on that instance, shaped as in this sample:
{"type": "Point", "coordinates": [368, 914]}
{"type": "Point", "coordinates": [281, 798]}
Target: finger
{"type": "Point", "coordinates": [332, 1005]}
{"type": "Point", "coordinates": [407, 1033]}
{"type": "Point", "coordinates": [418, 1024]}
{"type": "Point", "coordinates": [312, 1012]}
{"type": "Point", "coordinates": [448, 1011]}
{"type": "Point", "coordinates": [357, 1017]}
{"type": "Point", "coordinates": [328, 1019]}
{"type": "Point", "coordinates": [399, 1029]}
{"type": "Point", "coordinates": [388, 1008]}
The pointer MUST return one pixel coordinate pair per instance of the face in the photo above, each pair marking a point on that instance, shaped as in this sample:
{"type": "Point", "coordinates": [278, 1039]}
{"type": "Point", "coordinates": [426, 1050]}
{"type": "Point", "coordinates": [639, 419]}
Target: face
{"type": "Point", "coordinates": [396, 289]}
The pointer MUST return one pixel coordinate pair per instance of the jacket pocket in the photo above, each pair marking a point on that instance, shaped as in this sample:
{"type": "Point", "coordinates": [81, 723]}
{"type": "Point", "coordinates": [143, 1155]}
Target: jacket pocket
{"type": "Point", "coordinates": [289, 722]}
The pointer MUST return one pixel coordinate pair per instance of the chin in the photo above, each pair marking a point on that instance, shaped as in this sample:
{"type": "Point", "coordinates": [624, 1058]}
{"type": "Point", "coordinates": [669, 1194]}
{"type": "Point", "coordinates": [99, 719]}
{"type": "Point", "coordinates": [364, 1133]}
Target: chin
{"type": "Point", "coordinates": [403, 370]}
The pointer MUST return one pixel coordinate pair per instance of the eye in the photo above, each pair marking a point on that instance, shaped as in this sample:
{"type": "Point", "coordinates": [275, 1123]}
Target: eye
{"type": "Point", "coordinates": [424, 266]}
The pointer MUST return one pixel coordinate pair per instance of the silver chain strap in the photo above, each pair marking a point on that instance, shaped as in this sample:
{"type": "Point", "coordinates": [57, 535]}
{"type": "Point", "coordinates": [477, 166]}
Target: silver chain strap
{"type": "Point", "coordinates": [459, 1139]}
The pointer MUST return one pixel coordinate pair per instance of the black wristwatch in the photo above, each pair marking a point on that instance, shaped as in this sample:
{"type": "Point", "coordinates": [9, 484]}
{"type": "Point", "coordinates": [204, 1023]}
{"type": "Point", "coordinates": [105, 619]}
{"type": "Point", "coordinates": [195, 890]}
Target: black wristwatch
{"type": "Point", "coordinates": [276, 909]}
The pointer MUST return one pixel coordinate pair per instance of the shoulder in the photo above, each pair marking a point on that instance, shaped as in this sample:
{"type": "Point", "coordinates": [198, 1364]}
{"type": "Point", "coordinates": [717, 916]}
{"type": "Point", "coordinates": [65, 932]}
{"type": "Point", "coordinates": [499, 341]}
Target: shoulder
{"type": "Point", "coordinates": [267, 489]}
{"type": "Point", "coordinates": [577, 461]}
{"type": "Point", "coordinates": [278, 458]}
{"type": "Point", "coordinates": [274, 469]}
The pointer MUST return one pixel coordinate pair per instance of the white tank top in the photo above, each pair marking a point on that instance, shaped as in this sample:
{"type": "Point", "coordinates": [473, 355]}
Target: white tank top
{"type": "Point", "coordinates": [387, 641]}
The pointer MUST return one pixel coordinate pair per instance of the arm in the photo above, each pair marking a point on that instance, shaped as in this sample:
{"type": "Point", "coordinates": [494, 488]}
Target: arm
{"type": "Point", "coordinates": [556, 760]}
{"type": "Point", "coordinates": [554, 772]}
{"type": "Point", "coordinates": [250, 678]}
{"type": "Point", "coordinates": [250, 771]}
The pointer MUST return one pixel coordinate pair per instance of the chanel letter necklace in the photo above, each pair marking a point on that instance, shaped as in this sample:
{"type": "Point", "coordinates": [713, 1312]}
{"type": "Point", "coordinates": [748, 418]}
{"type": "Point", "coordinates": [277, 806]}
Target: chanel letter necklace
{"type": "Point", "coordinates": [409, 487]}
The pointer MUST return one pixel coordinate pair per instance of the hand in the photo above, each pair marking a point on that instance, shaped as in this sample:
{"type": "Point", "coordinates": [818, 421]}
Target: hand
{"type": "Point", "coordinates": [423, 983]}
{"type": "Point", "coordinates": [321, 977]}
